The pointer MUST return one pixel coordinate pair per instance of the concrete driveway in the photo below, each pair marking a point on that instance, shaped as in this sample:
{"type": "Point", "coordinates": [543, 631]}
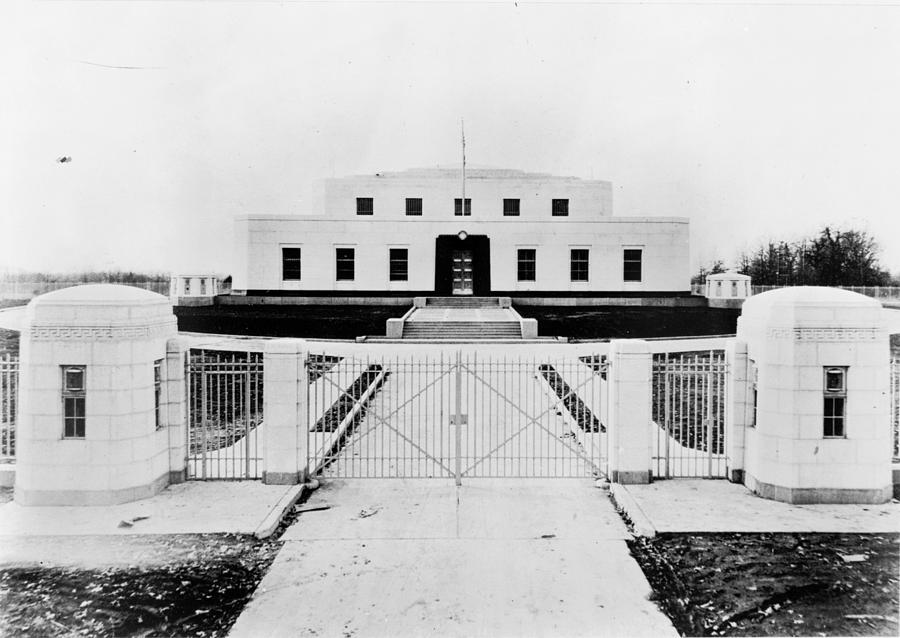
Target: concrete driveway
{"type": "Point", "coordinates": [421, 557]}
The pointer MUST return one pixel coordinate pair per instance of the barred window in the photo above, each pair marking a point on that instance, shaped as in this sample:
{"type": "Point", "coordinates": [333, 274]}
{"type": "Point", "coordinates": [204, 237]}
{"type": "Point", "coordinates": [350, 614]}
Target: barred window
{"type": "Point", "coordinates": [73, 399]}
{"type": "Point", "coordinates": [457, 207]}
{"type": "Point", "coordinates": [510, 207]}
{"type": "Point", "coordinates": [399, 264]}
{"type": "Point", "coordinates": [345, 264]}
{"type": "Point", "coordinates": [365, 206]}
{"type": "Point", "coordinates": [579, 264]}
{"type": "Point", "coordinates": [835, 408]}
{"type": "Point", "coordinates": [527, 262]}
{"type": "Point", "coordinates": [754, 390]}
{"type": "Point", "coordinates": [632, 264]}
{"type": "Point", "coordinates": [157, 391]}
{"type": "Point", "coordinates": [560, 207]}
{"type": "Point", "coordinates": [414, 206]}
{"type": "Point", "coordinates": [290, 264]}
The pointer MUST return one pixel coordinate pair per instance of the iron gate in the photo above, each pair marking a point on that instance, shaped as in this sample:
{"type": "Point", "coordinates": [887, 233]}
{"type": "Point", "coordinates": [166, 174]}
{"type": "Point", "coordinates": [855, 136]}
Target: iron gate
{"type": "Point", "coordinates": [225, 401]}
{"type": "Point", "coordinates": [688, 406]}
{"type": "Point", "coordinates": [455, 416]}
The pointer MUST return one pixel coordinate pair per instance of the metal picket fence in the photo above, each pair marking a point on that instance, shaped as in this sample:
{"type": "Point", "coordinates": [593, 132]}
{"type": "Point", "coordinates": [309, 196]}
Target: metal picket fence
{"type": "Point", "coordinates": [225, 412]}
{"type": "Point", "coordinates": [895, 406]}
{"type": "Point", "coordinates": [688, 411]}
{"type": "Point", "coordinates": [9, 394]}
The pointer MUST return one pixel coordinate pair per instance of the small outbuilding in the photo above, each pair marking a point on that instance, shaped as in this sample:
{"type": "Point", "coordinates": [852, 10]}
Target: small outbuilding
{"type": "Point", "coordinates": [727, 289]}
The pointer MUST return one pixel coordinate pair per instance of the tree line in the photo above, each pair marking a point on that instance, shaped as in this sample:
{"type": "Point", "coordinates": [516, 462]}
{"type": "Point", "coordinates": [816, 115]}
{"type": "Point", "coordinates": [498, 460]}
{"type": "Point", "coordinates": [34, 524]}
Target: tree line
{"type": "Point", "coordinates": [829, 258]}
{"type": "Point", "coordinates": [85, 277]}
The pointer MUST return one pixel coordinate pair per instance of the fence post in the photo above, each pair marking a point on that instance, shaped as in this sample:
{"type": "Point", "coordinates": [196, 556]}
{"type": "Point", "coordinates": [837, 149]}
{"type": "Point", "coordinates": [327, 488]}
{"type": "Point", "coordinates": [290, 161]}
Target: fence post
{"type": "Point", "coordinates": [738, 406]}
{"type": "Point", "coordinates": [630, 415]}
{"type": "Point", "coordinates": [285, 412]}
{"type": "Point", "coordinates": [175, 399]}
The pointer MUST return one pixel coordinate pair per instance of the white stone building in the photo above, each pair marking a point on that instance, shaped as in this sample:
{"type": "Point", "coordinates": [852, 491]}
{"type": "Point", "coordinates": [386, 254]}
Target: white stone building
{"type": "Point", "coordinates": [406, 233]}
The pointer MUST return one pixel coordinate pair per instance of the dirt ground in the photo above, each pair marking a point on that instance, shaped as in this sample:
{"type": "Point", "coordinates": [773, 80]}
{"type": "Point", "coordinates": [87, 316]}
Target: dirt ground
{"type": "Point", "coordinates": [198, 587]}
{"type": "Point", "coordinates": [775, 584]}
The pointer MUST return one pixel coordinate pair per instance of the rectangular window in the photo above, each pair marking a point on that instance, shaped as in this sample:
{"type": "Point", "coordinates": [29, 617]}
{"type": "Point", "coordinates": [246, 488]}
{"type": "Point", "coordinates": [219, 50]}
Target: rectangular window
{"type": "Point", "coordinates": [187, 287]}
{"type": "Point", "coordinates": [835, 408]}
{"type": "Point", "coordinates": [290, 263]}
{"type": "Point", "coordinates": [754, 392]}
{"type": "Point", "coordinates": [632, 264]}
{"type": "Point", "coordinates": [157, 391]}
{"type": "Point", "coordinates": [414, 206]}
{"type": "Point", "coordinates": [73, 398]}
{"type": "Point", "coordinates": [579, 264]}
{"type": "Point", "coordinates": [365, 206]}
{"type": "Point", "coordinates": [510, 207]}
{"type": "Point", "coordinates": [560, 207]}
{"type": "Point", "coordinates": [345, 264]}
{"type": "Point", "coordinates": [203, 287]}
{"type": "Point", "coordinates": [399, 258]}
{"type": "Point", "coordinates": [457, 207]}
{"type": "Point", "coordinates": [527, 261]}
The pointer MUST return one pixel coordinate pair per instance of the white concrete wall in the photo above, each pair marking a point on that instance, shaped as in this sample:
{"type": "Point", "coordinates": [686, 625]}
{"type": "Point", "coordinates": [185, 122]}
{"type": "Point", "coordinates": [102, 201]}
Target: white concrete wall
{"type": "Point", "coordinates": [664, 241]}
{"type": "Point", "coordinates": [487, 188]}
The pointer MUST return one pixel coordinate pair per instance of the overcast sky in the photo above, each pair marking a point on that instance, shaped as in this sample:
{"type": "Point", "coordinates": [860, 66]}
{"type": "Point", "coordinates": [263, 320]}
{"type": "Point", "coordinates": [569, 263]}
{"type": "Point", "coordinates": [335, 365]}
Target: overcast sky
{"type": "Point", "coordinates": [755, 122]}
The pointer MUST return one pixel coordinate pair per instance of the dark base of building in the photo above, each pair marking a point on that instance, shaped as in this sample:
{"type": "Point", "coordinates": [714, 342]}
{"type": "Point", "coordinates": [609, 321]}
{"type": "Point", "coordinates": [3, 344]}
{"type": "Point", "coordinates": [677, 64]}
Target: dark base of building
{"type": "Point", "coordinates": [405, 298]}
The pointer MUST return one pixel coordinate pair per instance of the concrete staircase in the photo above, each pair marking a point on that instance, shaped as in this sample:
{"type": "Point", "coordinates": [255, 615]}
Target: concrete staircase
{"type": "Point", "coordinates": [461, 319]}
{"type": "Point", "coordinates": [462, 330]}
{"type": "Point", "coordinates": [463, 302]}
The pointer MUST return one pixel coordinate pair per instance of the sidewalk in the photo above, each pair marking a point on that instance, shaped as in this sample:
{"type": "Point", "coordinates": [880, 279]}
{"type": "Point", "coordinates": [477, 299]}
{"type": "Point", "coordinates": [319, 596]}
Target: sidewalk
{"type": "Point", "coordinates": [37, 534]}
{"type": "Point", "coordinates": [423, 558]}
{"type": "Point", "coordinates": [698, 505]}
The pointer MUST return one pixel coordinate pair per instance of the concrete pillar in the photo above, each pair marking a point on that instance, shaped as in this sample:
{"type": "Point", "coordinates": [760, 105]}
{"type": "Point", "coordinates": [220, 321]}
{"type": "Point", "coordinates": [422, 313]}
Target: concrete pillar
{"type": "Point", "coordinates": [630, 371]}
{"type": "Point", "coordinates": [88, 431]}
{"type": "Point", "coordinates": [529, 328]}
{"type": "Point", "coordinates": [793, 454]}
{"type": "Point", "coordinates": [175, 400]}
{"type": "Point", "coordinates": [285, 412]}
{"type": "Point", "coordinates": [738, 406]}
{"type": "Point", "coordinates": [394, 329]}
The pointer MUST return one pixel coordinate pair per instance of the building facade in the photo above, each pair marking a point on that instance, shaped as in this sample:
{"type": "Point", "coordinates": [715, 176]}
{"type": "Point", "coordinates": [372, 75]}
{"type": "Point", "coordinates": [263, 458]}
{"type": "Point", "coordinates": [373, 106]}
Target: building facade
{"type": "Point", "coordinates": [408, 233]}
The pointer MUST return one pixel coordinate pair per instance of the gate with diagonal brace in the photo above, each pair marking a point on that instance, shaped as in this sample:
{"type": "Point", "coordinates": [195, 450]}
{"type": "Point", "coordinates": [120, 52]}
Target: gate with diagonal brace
{"type": "Point", "coordinates": [456, 416]}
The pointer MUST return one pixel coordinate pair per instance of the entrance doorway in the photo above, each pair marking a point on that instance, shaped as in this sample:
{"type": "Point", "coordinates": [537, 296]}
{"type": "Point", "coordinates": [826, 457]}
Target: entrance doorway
{"type": "Point", "coordinates": [462, 272]}
{"type": "Point", "coordinates": [462, 265]}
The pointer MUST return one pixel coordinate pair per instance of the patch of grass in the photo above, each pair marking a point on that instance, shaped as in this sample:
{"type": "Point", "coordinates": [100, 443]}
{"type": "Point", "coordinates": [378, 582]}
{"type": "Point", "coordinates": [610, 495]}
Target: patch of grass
{"type": "Point", "coordinates": [774, 584]}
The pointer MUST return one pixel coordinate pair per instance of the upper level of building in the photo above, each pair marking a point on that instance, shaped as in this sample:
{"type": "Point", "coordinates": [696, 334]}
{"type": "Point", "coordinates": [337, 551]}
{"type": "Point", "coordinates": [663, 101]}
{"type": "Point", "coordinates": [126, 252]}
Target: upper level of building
{"type": "Point", "coordinates": [436, 193]}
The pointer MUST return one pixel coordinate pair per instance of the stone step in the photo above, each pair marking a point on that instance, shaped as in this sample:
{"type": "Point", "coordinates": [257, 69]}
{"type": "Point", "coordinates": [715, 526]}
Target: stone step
{"type": "Point", "coordinates": [462, 329]}
{"type": "Point", "coordinates": [462, 302]}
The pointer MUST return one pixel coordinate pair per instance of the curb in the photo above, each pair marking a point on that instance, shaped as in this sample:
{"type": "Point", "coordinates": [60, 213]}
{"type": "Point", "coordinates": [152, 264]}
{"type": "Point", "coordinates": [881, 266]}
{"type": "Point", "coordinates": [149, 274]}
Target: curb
{"type": "Point", "coordinates": [273, 518]}
{"type": "Point", "coordinates": [625, 502]}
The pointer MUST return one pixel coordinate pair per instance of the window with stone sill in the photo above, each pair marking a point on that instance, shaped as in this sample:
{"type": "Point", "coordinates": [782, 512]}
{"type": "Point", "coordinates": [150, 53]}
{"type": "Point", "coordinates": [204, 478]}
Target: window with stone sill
{"type": "Point", "coordinates": [73, 401]}
{"type": "Point", "coordinates": [414, 206]}
{"type": "Point", "coordinates": [835, 402]}
{"type": "Point", "coordinates": [157, 392]}
{"type": "Point", "coordinates": [345, 264]}
{"type": "Point", "coordinates": [458, 207]}
{"type": "Point", "coordinates": [291, 263]}
{"type": "Point", "coordinates": [754, 393]}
